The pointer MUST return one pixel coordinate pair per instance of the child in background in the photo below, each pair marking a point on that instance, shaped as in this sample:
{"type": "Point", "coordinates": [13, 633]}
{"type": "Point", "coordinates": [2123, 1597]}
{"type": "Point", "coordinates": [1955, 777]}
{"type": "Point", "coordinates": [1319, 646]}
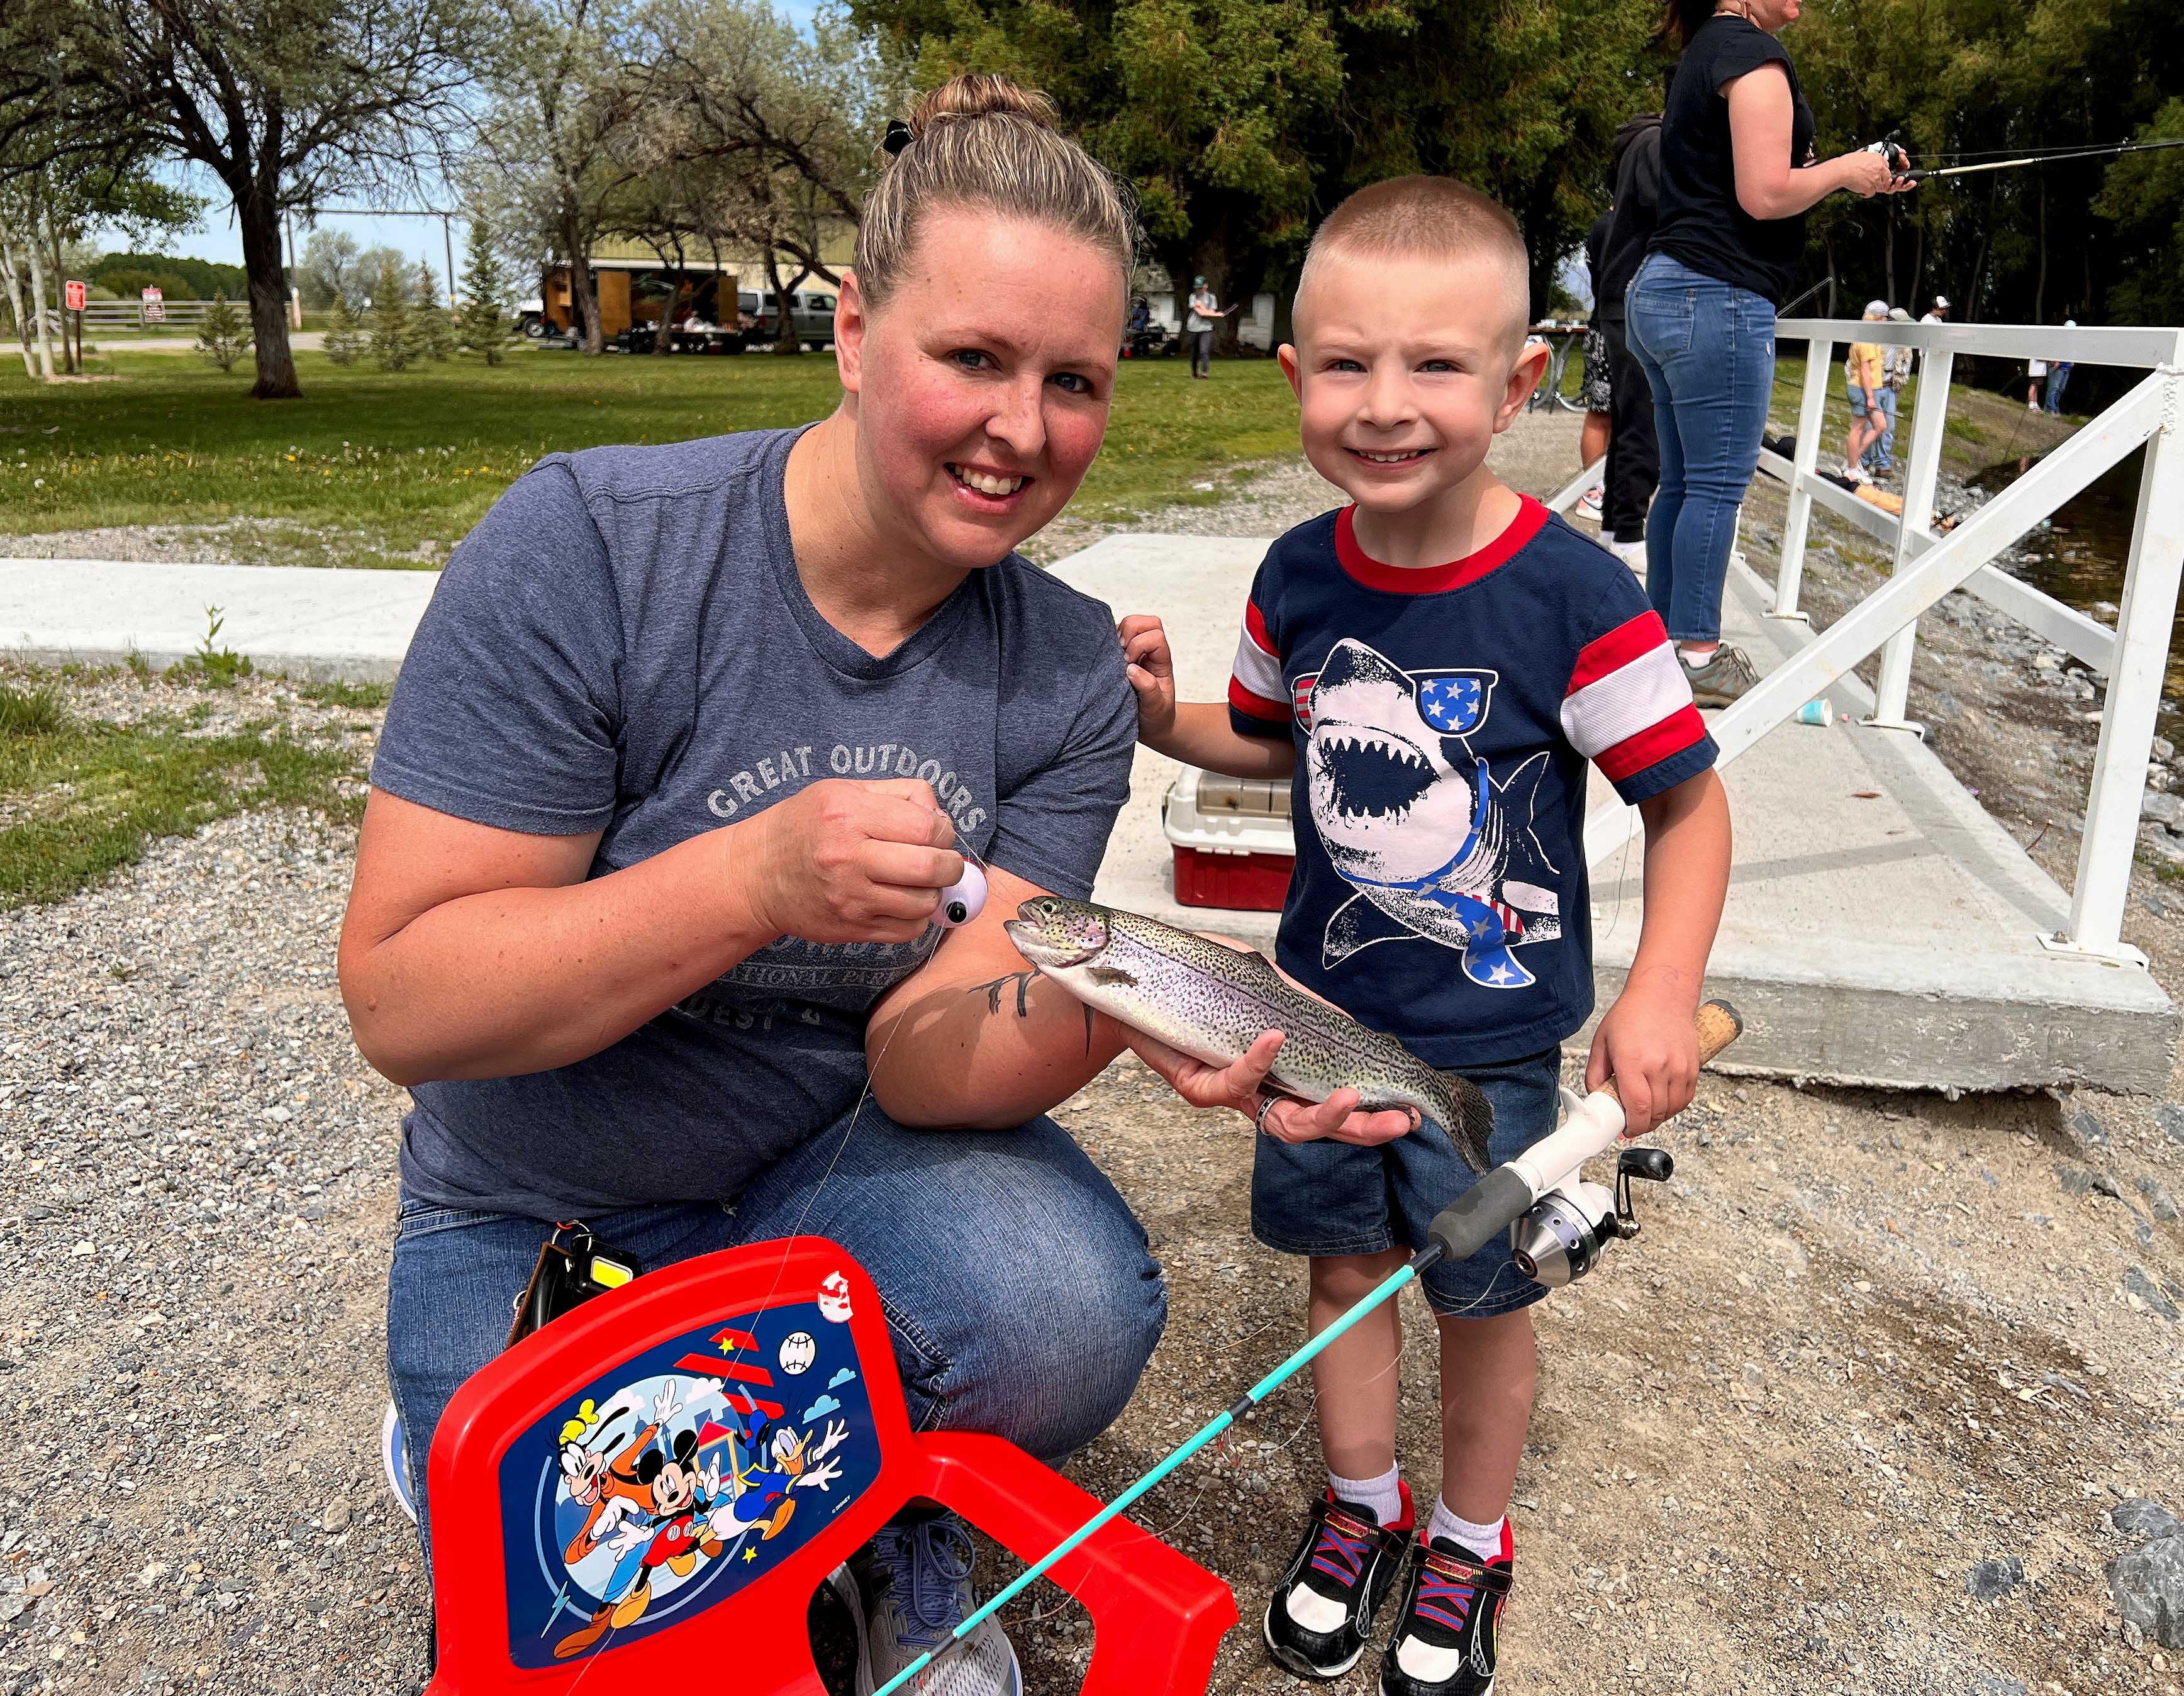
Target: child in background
{"type": "Point", "coordinates": [1435, 663]}
{"type": "Point", "coordinates": [1862, 373]}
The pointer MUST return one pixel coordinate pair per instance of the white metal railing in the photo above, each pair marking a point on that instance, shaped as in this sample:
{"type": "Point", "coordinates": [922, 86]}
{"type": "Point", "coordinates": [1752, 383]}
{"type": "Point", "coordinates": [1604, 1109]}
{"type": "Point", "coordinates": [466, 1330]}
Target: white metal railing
{"type": "Point", "coordinates": [122, 315]}
{"type": "Point", "coordinates": [2133, 656]}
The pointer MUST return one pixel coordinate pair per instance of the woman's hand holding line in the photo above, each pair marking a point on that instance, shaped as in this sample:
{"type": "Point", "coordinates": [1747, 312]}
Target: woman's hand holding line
{"type": "Point", "coordinates": [846, 862]}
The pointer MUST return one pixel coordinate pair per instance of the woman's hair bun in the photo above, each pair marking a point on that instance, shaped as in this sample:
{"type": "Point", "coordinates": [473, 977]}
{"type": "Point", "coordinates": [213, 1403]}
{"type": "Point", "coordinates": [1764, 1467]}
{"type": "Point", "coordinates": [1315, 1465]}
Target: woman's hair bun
{"type": "Point", "coordinates": [1017, 165]}
{"type": "Point", "coordinates": [980, 94]}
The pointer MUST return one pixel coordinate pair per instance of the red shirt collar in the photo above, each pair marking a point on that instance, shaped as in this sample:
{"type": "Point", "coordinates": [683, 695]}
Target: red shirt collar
{"type": "Point", "coordinates": [1530, 517]}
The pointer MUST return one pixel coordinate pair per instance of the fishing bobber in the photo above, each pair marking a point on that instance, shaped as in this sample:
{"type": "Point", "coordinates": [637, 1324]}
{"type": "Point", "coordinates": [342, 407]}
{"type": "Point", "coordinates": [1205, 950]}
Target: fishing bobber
{"type": "Point", "coordinates": [965, 899]}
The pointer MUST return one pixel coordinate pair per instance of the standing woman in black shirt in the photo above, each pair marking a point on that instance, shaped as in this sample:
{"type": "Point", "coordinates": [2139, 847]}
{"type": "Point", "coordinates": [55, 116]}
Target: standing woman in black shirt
{"type": "Point", "coordinates": [1737, 174]}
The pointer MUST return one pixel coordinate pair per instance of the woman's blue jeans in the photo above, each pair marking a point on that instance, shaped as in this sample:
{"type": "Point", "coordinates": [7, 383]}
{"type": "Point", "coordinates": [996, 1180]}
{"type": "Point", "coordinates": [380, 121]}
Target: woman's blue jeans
{"type": "Point", "coordinates": [1708, 348]}
{"type": "Point", "coordinates": [1016, 1281]}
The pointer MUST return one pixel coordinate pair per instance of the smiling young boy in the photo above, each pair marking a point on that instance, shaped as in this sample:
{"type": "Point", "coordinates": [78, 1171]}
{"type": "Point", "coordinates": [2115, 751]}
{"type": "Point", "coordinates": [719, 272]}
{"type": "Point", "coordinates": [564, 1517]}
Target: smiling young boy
{"type": "Point", "coordinates": [1435, 663]}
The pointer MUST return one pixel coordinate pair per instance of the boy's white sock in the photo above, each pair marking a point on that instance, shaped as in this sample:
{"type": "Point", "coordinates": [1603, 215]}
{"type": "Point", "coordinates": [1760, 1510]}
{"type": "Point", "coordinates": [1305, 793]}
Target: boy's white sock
{"type": "Point", "coordinates": [1384, 1495]}
{"type": "Point", "coordinates": [1483, 1541]}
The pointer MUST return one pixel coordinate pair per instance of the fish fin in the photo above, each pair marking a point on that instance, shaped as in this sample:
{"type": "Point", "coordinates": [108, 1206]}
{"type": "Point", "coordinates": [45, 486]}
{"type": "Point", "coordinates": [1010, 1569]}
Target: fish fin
{"type": "Point", "coordinates": [1520, 799]}
{"type": "Point", "coordinates": [1488, 962]}
{"type": "Point", "coordinates": [1359, 924]}
{"type": "Point", "coordinates": [1474, 1117]}
{"type": "Point", "coordinates": [1111, 974]}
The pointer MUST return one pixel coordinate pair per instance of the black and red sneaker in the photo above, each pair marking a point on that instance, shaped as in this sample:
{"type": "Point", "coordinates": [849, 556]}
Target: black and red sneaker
{"type": "Point", "coordinates": [1446, 1637]}
{"type": "Point", "coordinates": [1321, 1616]}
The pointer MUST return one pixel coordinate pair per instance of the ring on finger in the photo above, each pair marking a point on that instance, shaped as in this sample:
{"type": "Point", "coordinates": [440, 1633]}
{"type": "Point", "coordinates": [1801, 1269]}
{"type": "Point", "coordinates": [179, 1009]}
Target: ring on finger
{"type": "Point", "coordinates": [1259, 1119]}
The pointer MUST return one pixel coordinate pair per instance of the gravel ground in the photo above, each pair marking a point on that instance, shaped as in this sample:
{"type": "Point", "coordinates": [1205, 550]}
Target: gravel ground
{"type": "Point", "coordinates": [230, 542]}
{"type": "Point", "coordinates": [1852, 1415]}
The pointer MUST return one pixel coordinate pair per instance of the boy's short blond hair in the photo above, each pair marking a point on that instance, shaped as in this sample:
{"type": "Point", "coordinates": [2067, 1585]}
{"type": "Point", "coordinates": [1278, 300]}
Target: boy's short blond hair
{"type": "Point", "coordinates": [1424, 217]}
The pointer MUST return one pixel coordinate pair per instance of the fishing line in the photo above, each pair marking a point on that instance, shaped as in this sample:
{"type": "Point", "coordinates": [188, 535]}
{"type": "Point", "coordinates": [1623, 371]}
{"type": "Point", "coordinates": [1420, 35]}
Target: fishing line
{"type": "Point", "coordinates": [2087, 151]}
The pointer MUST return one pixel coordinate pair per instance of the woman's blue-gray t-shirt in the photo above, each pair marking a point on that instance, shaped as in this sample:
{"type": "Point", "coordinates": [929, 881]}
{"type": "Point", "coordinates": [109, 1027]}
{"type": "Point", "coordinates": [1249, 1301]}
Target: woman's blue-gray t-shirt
{"type": "Point", "coordinates": [623, 645]}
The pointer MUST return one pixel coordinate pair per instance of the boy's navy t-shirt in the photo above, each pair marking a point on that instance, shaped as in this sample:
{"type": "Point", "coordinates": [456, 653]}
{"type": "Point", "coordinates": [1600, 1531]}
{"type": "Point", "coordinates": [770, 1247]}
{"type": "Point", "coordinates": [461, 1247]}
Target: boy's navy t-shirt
{"type": "Point", "coordinates": [1443, 718]}
{"type": "Point", "coordinates": [624, 645]}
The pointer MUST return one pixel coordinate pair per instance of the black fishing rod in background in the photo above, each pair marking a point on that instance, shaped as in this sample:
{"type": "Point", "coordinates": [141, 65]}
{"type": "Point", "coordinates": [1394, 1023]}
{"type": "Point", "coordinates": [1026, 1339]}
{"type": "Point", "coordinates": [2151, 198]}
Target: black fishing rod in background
{"type": "Point", "coordinates": [1894, 150]}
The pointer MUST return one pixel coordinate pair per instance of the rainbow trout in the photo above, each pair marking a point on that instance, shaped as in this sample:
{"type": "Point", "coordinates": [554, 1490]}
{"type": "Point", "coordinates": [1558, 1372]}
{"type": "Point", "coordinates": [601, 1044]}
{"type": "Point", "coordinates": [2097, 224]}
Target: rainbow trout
{"type": "Point", "coordinates": [1212, 1002]}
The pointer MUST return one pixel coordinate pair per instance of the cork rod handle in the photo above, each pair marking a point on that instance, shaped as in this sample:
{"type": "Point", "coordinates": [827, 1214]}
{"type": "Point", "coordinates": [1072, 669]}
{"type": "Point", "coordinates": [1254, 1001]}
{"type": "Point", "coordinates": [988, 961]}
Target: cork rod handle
{"type": "Point", "coordinates": [1719, 1024]}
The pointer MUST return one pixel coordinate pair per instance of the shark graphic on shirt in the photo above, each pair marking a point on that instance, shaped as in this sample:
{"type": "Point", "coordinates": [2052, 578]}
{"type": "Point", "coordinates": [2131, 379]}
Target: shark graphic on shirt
{"type": "Point", "coordinates": [1435, 847]}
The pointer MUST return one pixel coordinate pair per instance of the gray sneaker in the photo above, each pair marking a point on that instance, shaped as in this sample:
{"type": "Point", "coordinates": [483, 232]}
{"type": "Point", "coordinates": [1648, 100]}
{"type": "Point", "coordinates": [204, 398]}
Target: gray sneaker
{"type": "Point", "coordinates": [1722, 678]}
{"type": "Point", "coordinates": [908, 1589]}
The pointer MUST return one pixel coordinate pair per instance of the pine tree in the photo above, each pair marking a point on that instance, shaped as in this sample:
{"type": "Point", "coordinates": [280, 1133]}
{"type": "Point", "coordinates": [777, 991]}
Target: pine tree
{"type": "Point", "coordinates": [345, 334]}
{"type": "Point", "coordinates": [389, 317]}
{"type": "Point", "coordinates": [432, 332]}
{"type": "Point", "coordinates": [482, 327]}
{"type": "Point", "coordinates": [223, 335]}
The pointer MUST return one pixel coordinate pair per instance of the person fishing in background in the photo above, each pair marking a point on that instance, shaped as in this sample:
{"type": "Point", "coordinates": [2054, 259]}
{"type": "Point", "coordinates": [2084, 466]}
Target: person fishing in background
{"type": "Point", "coordinates": [1738, 173]}
{"type": "Point", "coordinates": [1433, 666]}
{"type": "Point", "coordinates": [2058, 374]}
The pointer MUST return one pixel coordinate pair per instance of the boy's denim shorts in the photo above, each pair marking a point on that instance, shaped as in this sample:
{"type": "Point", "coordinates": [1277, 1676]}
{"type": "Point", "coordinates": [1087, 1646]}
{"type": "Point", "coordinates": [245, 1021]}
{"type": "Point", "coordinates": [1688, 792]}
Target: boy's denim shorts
{"type": "Point", "coordinates": [1329, 1198]}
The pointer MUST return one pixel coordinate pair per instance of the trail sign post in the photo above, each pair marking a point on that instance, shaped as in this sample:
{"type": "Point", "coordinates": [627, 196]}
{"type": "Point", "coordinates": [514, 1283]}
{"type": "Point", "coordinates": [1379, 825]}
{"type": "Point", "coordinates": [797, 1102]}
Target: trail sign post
{"type": "Point", "coordinates": [73, 294]}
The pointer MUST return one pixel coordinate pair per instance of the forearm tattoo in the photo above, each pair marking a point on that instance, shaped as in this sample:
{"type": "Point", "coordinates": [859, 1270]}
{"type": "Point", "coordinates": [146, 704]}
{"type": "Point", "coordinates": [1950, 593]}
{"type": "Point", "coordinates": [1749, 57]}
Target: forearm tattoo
{"type": "Point", "coordinates": [1023, 981]}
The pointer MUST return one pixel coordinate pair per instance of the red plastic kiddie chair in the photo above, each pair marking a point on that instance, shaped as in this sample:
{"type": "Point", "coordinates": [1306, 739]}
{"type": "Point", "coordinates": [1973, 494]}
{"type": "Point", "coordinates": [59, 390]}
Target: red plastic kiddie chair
{"type": "Point", "coordinates": [653, 1485]}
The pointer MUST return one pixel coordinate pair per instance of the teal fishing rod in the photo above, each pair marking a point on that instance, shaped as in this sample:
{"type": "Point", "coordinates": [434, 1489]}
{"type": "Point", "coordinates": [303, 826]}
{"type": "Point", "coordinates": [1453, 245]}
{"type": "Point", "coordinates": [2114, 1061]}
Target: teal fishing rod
{"type": "Point", "coordinates": [1213, 1428]}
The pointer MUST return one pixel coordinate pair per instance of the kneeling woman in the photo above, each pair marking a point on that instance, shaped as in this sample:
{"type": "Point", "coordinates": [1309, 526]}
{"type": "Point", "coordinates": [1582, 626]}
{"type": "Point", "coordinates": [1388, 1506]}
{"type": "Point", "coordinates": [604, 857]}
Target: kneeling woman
{"type": "Point", "coordinates": [682, 753]}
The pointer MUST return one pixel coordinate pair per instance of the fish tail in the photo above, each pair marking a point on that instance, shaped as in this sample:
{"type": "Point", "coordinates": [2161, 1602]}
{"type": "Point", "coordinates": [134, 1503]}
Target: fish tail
{"type": "Point", "coordinates": [1466, 1116]}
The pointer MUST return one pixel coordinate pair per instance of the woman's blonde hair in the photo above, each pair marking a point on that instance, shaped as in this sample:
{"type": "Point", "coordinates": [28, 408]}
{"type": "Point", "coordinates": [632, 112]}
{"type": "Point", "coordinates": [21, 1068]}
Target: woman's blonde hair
{"type": "Point", "coordinates": [983, 140]}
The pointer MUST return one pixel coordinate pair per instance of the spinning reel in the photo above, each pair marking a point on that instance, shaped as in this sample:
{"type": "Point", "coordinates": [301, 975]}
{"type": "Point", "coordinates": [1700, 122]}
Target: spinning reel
{"type": "Point", "coordinates": [1564, 1234]}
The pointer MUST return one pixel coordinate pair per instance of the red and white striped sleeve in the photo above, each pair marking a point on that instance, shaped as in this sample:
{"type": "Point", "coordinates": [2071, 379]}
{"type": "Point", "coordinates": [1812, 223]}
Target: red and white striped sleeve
{"type": "Point", "coordinates": [1258, 701]}
{"type": "Point", "coordinates": [1629, 709]}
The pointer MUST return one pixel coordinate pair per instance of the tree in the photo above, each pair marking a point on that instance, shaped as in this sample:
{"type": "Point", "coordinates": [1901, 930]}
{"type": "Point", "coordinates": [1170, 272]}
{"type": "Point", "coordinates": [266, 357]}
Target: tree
{"type": "Point", "coordinates": [482, 327]}
{"type": "Point", "coordinates": [432, 335]}
{"type": "Point", "coordinates": [388, 320]}
{"type": "Point", "coordinates": [564, 91]}
{"type": "Point", "coordinates": [346, 337]}
{"type": "Point", "coordinates": [223, 337]}
{"type": "Point", "coordinates": [1218, 111]}
{"type": "Point", "coordinates": [1521, 102]}
{"type": "Point", "coordinates": [330, 269]}
{"type": "Point", "coordinates": [753, 134]}
{"type": "Point", "coordinates": [1965, 79]}
{"type": "Point", "coordinates": [2143, 200]}
{"type": "Point", "coordinates": [288, 102]}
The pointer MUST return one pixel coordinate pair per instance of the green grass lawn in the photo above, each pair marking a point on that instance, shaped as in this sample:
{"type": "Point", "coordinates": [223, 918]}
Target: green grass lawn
{"type": "Point", "coordinates": [371, 463]}
{"type": "Point", "coordinates": [80, 797]}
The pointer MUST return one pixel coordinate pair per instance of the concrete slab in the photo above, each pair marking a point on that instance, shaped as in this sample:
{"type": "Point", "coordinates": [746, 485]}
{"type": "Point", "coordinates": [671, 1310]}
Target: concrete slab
{"type": "Point", "coordinates": [1880, 929]}
{"type": "Point", "coordinates": [331, 624]}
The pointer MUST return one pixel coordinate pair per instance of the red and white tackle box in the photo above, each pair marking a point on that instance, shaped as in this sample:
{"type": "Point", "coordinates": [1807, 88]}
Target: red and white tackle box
{"type": "Point", "coordinates": [1232, 840]}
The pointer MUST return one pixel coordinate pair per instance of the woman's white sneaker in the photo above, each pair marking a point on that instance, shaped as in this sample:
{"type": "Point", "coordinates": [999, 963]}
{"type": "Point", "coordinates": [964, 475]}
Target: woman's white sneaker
{"type": "Point", "coordinates": [907, 1590]}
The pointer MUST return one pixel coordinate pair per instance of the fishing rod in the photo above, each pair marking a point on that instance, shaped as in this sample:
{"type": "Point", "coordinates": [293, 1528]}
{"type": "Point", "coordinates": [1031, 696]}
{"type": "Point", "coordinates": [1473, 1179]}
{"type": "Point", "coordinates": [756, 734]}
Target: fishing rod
{"type": "Point", "coordinates": [2074, 150]}
{"type": "Point", "coordinates": [1562, 1247]}
{"type": "Point", "coordinates": [1924, 174]}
